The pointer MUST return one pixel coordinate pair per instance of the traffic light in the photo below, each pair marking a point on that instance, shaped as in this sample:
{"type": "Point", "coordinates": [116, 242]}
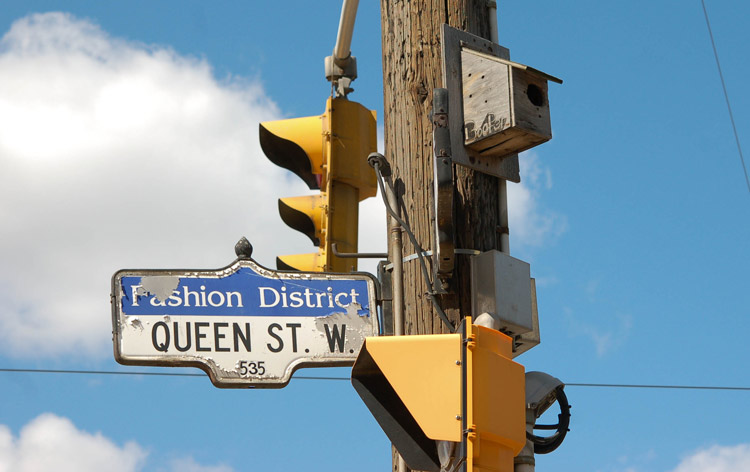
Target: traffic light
{"type": "Point", "coordinates": [329, 152]}
{"type": "Point", "coordinates": [445, 399]}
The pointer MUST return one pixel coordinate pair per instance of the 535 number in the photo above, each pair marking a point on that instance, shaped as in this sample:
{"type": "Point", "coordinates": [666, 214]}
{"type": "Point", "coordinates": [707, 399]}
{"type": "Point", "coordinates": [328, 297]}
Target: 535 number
{"type": "Point", "coordinates": [251, 368]}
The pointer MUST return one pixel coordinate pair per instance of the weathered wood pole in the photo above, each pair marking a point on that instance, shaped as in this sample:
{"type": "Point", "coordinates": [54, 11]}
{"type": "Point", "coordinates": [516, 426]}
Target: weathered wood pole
{"type": "Point", "coordinates": [411, 70]}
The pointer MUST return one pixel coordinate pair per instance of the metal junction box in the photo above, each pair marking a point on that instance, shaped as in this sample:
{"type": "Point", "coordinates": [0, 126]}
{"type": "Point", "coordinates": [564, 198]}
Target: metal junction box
{"type": "Point", "coordinates": [506, 108]}
{"type": "Point", "coordinates": [531, 339]}
{"type": "Point", "coordinates": [501, 286]}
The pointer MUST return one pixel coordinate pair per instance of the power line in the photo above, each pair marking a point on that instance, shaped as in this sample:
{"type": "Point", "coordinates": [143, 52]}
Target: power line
{"type": "Point", "coordinates": [125, 372]}
{"type": "Point", "coordinates": [303, 377]}
{"type": "Point", "coordinates": [676, 387]}
{"type": "Point", "coordinates": [726, 95]}
{"type": "Point", "coordinates": [100, 372]}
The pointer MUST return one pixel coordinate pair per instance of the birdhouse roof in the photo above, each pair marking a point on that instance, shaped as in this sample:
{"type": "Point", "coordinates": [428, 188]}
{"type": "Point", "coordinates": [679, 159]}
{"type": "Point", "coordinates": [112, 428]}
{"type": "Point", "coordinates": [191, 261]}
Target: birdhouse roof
{"type": "Point", "coordinates": [518, 65]}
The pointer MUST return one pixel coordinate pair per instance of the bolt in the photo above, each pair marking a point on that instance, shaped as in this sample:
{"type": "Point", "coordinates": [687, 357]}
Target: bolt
{"type": "Point", "coordinates": [458, 417]}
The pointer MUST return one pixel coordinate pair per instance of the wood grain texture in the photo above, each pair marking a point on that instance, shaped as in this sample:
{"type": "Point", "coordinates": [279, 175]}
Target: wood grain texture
{"type": "Point", "coordinates": [532, 117]}
{"type": "Point", "coordinates": [411, 70]}
{"type": "Point", "coordinates": [486, 96]}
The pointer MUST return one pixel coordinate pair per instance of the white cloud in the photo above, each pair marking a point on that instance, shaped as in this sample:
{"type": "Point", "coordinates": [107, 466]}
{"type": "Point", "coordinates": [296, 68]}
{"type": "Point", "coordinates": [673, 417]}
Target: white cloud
{"type": "Point", "coordinates": [372, 231]}
{"type": "Point", "coordinates": [115, 155]}
{"type": "Point", "coordinates": [52, 443]}
{"type": "Point", "coordinates": [530, 223]}
{"type": "Point", "coordinates": [717, 459]}
{"type": "Point", "coordinates": [189, 465]}
{"type": "Point", "coordinates": [605, 339]}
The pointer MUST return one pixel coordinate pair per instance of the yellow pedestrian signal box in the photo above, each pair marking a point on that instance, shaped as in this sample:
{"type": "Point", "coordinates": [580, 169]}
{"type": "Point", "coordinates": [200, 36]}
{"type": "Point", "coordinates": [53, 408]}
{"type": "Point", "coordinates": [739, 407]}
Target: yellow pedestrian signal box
{"type": "Point", "coordinates": [450, 400]}
{"type": "Point", "coordinates": [329, 152]}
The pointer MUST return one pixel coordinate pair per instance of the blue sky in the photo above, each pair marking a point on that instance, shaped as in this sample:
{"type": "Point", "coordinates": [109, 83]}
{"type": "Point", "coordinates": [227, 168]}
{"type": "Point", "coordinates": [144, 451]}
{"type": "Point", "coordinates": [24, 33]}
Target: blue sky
{"type": "Point", "coordinates": [128, 139]}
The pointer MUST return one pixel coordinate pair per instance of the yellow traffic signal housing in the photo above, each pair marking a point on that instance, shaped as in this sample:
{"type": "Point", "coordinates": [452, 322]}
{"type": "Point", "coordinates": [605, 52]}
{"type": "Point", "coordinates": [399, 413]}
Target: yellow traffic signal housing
{"type": "Point", "coordinates": [462, 388]}
{"type": "Point", "coordinates": [329, 152]}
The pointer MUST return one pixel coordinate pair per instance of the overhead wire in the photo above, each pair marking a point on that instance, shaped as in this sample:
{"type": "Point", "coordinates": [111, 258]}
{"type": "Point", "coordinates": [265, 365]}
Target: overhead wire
{"type": "Point", "coordinates": [674, 387]}
{"type": "Point", "coordinates": [303, 377]}
{"type": "Point", "coordinates": [726, 95]}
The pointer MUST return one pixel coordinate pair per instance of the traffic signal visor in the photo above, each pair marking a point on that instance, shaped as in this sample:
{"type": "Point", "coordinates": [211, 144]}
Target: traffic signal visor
{"type": "Point", "coordinates": [412, 386]}
{"type": "Point", "coordinates": [305, 214]}
{"type": "Point", "coordinates": [310, 262]}
{"type": "Point", "coordinates": [463, 388]}
{"type": "Point", "coordinates": [296, 144]}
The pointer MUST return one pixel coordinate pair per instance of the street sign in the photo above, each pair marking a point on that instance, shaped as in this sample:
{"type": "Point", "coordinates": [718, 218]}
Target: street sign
{"type": "Point", "coordinates": [244, 325]}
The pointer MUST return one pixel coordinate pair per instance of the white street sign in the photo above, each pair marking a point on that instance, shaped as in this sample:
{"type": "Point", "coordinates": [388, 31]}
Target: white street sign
{"type": "Point", "coordinates": [245, 325]}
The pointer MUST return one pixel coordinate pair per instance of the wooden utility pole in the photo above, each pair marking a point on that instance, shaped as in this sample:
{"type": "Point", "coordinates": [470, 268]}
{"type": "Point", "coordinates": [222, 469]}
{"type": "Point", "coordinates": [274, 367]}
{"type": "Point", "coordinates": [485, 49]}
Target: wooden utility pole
{"type": "Point", "coordinates": [411, 70]}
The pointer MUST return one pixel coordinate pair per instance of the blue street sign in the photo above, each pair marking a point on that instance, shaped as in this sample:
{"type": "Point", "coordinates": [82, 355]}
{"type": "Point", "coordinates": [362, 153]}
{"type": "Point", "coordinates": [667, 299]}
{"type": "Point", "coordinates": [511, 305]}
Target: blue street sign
{"type": "Point", "coordinates": [245, 325]}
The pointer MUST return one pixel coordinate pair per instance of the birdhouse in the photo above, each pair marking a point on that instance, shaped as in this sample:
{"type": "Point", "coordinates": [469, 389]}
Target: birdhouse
{"type": "Point", "coordinates": [505, 105]}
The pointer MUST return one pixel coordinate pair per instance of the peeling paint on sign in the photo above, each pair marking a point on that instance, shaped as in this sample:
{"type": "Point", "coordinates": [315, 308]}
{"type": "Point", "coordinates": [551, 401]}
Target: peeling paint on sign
{"type": "Point", "coordinates": [246, 325]}
{"type": "Point", "coordinates": [340, 334]}
{"type": "Point", "coordinates": [160, 286]}
{"type": "Point", "coordinates": [134, 322]}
